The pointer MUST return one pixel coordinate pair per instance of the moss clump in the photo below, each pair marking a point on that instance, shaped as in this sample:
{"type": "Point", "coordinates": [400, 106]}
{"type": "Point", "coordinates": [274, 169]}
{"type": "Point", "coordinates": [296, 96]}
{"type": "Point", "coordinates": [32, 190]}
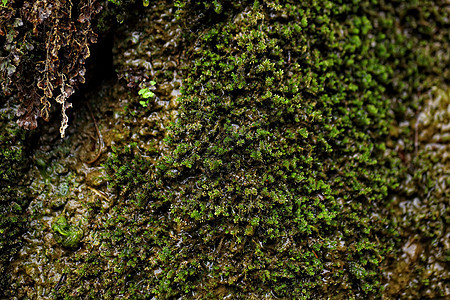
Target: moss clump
{"type": "Point", "coordinates": [68, 236]}
{"type": "Point", "coordinates": [277, 181]}
{"type": "Point", "coordinates": [128, 170]}
{"type": "Point", "coordinates": [279, 153]}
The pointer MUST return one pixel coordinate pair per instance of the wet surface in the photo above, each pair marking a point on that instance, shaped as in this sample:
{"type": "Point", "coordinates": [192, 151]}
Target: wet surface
{"type": "Point", "coordinates": [421, 268]}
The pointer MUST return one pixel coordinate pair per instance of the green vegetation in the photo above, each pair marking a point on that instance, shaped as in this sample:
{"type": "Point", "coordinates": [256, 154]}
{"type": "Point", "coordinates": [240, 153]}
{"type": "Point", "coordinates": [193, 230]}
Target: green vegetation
{"type": "Point", "coordinates": [14, 193]}
{"type": "Point", "coordinates": [277, 181]}
{"type": "Point", "coordinates": [146, 93]}
{"type": "Point", "coordinates": [128, 170]}
{"type": "Point", "coordinates": [68, 236]}
{"type": "Point", "coordinates": [302, 133]}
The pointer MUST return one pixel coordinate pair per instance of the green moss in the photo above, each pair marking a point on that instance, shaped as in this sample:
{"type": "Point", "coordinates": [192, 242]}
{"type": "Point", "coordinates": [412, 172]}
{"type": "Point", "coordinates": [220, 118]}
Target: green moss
{"type": "Point", "coordinates": [127, 169]}
{"type": "Point", "coordinates": [68, 236]}
{"type": "Point", "coordinates": [276, 181]}
{"type": "Point", "coordinates": [14, 194]}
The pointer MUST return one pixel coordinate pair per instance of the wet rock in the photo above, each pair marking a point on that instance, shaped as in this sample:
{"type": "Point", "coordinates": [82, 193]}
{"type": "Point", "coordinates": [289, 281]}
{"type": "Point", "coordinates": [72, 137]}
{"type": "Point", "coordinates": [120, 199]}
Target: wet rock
{"type": "Point", "coordinates": [96, 178]}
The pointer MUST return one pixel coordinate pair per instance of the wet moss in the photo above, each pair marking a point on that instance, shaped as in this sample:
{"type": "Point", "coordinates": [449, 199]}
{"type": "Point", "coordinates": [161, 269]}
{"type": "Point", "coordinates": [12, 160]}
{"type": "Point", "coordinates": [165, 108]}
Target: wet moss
{"type": "Point", "coordinates": [284, 131]}
{"type": "Point", "coordinates": [68, 236]}
{"type": "Point", "coordinates": [14, 193]}
{"type": "Point", "coordinates": [280, 172]}
{"type": "Point", "coordinates": [127, 168]}
{"type": "Point", "coordinates": [277, 183]}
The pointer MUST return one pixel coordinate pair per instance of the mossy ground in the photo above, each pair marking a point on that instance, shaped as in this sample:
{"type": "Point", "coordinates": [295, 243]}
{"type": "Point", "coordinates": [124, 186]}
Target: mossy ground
{"type": "Point", "coordinates": [283, 168]}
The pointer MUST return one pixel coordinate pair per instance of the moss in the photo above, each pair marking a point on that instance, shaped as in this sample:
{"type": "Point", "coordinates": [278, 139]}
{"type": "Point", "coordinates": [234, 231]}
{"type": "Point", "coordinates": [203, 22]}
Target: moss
{"type": "Point", "coordinates": [68, 236]}
{"type": "Point", "coordinates": [276, 180]}
{"type": "Point", "coordinates": [14, 194]}
{"type": "Point", "coordinates": [128, 170]}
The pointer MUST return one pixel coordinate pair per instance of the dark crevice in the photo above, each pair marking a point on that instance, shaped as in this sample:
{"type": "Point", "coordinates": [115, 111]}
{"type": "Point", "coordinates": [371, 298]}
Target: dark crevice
{"type": "Point", "coordinates": [99, 69]}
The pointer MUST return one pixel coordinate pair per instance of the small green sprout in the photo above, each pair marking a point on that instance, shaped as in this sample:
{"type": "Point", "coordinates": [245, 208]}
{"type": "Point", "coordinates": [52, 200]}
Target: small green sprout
{"type": "Point", "coordinates": [66, 235]}
{"type": "Point", "coordinates": [146, 93]}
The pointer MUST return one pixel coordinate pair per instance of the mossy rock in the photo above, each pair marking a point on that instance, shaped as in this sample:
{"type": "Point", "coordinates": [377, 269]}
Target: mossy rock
{"type": "Point", "coordinates": [277, 176]}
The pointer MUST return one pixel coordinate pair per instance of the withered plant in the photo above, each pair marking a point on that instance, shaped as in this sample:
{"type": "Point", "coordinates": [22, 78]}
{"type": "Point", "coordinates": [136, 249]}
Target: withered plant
{"type": "Point", "coordinates": [44, 47]}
